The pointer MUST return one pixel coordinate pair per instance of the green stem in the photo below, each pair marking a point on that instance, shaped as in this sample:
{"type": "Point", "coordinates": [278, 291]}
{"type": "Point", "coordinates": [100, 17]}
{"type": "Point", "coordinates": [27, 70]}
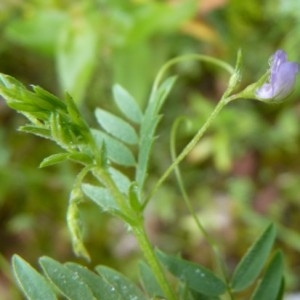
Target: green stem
{"type": "Point", "coordinates": [154, 264]}
{"type": "Point", "coordinates": [135, 220]}
{"type": "Point", "coordinates": [220, 105]}
{"type": "Point", "coordinates": [199, 57]}
{"type": "Point", "coordinates": [217, 257]}
{"type": "Point", "coordinates": [187, 148]}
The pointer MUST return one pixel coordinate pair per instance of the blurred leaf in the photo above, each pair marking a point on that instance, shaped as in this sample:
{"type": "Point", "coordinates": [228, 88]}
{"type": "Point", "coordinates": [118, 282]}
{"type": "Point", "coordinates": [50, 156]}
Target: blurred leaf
{"type": "Point", "coordinates": [253, 261]}
{"type": "Point", "coordinates": [77, 55]}
{"type": "Point", "coordinates": [198, 296]}
{"type": "Point", "coordinates": [101, 196]}
{"type": "Point", "coordinates": [66, 281]}
{"type": "Point", "coordinates": [270, 285]}
{"type": "Point", "coordinates": [116, 127]}
{"type": "Point", "coordinates": [148, 127]}
{"type": "Point", "coordinates": [116, 151]}
{"type": "Point", "coordinates": [33, 284]}
{"type": "Point", "coordinates": [121, 284]}
{"type": "Point", "coordinates": [149, 281]}
{"type": "Point", "coordinates": [160, 17]}
{"type": "Point", "coordinates": [127, 104]}
{"type": "Point", "coordinates": [222, 154]}
{"type": "Point", "coordinates": [194, 276]}
{"type": "Point", "coordinates": [38, 31]}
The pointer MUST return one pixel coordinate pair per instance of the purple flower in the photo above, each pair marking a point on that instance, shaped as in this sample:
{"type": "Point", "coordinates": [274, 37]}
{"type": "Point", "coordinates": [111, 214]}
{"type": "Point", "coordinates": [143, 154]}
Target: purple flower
{"type": "Point", "coordinates": [282, 78]}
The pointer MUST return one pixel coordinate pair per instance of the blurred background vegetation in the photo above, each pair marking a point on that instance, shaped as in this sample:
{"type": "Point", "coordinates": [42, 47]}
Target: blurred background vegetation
{"type": "Point", "coordinates": [245, 171]}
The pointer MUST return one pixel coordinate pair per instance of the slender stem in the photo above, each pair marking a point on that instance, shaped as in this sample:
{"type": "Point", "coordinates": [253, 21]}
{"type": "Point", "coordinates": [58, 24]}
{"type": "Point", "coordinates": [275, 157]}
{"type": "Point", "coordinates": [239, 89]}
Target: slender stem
{"type": "Point", "coordinates": [217, 257]}
{"type": "Point", "coordinates": [135, 220]}
{"type": "Point", "coordinates": [200, 57]}
{"type": "Point", "coordinates": [187, 149]}
{"type": "Point", "coordinates": [154, 264]}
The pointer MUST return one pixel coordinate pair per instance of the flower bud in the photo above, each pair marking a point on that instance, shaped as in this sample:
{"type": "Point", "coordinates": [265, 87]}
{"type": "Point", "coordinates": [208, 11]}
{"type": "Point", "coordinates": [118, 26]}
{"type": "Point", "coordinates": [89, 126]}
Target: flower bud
{"type": "Point", "coordinates": [281, 80]}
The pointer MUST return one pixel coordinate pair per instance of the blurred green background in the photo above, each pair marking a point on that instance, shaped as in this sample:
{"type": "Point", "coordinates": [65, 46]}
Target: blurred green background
{"type": "Point", "coordinates": [246, 170]}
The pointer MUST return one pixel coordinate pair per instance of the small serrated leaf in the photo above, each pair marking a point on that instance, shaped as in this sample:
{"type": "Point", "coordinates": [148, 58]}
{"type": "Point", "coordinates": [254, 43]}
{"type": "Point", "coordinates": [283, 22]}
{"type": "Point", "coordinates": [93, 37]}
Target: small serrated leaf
{"type": "Point", "coordinates": [194, 276]}
{"type": "Point", "coordinates": [66, 281]}
{"type": "Point", "coordinates": [269, 287]}
{"type": "Point", "coordinates": [116, 127]}
{"type": "Point", "coordinates": [127, 104]}
{"type": "Point", "coordinates": [253, 261]}
{"type": "Point", "coordinates": [32, 283]}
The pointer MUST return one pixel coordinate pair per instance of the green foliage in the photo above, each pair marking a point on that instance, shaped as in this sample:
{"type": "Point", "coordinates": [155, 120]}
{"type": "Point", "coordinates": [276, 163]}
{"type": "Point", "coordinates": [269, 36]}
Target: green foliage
{"type": "Point", "coordinates": [127, 104]}
{"type": "Point", "coordinates": [121, 286]}
{"type": "Point", "coordinates": [73, 281]}
{"type": "Point", "coordinates": [66, 281]}
{"type": "Point", "coordinates": [149, 281]}
{"type": "Point", "coordinates": [101, 197]}
{"type": "Point", "coordinates": [253, 261]}
{"type": "Point", "coordinates": [254, 148]}
{"type": "Point", "coordinates": [31, 282]}
{"type": "Point", "coordinates": [271, 284]}
{"type": "Point", "coordinates": [116, 127]}
{"type": "Point", "coordinates": [194, 276]}
{"type": "Point", "coordinates": [148, 127]}
{"type": "Point", "coordinates": [98, 151]}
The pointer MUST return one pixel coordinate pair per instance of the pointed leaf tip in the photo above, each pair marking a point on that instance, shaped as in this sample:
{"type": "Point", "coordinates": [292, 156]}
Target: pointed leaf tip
{"type": "Point", "coordinates": [253, 261]}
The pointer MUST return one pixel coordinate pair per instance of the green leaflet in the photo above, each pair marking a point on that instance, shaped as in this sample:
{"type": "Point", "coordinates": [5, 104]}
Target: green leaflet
{"type": "Point", "coordinates": [270, 285]}
{"type": "Point", "coordinates": [121, 181]}
{"type": "Point", "coordinates": [148, 128]}
{"type": "Point", "coordinates": [65, 280]}
{"type": "Point", "coordinates": [54, 159]}
{"type": "Point", "coordinates": [33, 284]}
{"type": "Point", "coordinates": [101, 196]}
{"type": "Point", "coordinates": [127, 104]}
{"type": "Point", "coordinates": [116, 151]}
{"type": "Point", "coordinates": [101, 290]}
{"type": "Point", "coordinates": [194, 276]}
{"type": "Point", "coordinates": [37, 130]}
{"type": "Point", "coordinates": [149, 281]}
{"type": "Point", "coordinates": [121, 285]}
{"type": "Point", "coordinates": [253, 261]}
{"type": "Point", "coordinates": [116, 127]}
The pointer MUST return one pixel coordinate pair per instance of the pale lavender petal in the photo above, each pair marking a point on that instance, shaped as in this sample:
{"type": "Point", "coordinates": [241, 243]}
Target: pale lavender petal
{"type": "Point", "coordinates": [282, 78]}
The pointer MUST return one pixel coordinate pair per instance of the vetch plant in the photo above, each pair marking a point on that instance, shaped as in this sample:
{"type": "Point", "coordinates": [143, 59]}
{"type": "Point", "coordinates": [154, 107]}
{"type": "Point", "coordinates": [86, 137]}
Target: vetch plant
{"type": "Point", "coordinates": [103, 153]}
